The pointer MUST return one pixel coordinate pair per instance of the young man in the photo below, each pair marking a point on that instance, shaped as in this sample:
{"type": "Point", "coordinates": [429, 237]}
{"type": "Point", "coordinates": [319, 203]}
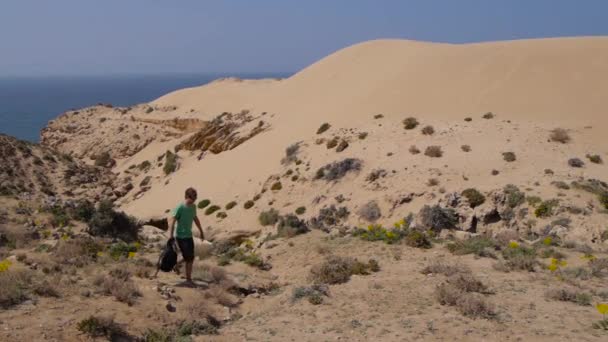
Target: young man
{"type": "Point", "coordinates": [184, 214]}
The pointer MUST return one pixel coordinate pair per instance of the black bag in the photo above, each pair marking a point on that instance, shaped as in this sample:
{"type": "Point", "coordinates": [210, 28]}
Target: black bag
{"type": "Point", "coordinates": [168, 257]}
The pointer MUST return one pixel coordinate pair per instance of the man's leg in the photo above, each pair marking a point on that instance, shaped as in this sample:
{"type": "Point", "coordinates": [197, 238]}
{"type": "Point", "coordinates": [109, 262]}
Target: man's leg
{"type": "Point", "coordinates": [189, 270]}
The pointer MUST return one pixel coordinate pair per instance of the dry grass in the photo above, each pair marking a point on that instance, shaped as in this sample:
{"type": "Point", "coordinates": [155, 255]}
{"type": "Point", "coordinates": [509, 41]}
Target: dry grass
{"type": "Point", "coordinates": [14, 287]}
{"type": "Point", "coordinates": [569, 295]}
{"type": "Point", "coordinates": [470, 304]}
{"type": "Point", "coordinates": [560, 135]}
{"type": "Point", "coordinates": [445, 268]}
{"type": "Point", "coordinates": [433, 152]}
{"type": "Point", "coordinates": [338, 270]}
{"type": "Point", "coordinates": [103, 326]}
{"type": "Point", "coordinates": [118, 284]}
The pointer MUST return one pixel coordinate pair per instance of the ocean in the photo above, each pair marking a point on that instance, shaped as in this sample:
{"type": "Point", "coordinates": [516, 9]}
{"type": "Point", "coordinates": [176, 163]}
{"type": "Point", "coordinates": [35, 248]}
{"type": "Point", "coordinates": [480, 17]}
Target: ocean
{"type": "Point", "coordinates": [28, 103]}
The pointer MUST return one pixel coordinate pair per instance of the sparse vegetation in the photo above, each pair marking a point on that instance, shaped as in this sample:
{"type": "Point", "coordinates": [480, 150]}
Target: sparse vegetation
{"type": "Point", "coordinates": [170, 163]}
{"type": "Point", "coordinates": [560, 135]}
{"type": "Point", "coordinates": [465, 148]}
{"type": "Point", "coordinates": [515, 198]}
{"type": "Point", "coordinates": [338, 270]}
{"type": "Point", "coordinates": [103, 159]}
{"type": "Point", "coordinates": [410, 123]}
{"type": "Point", "coordinates": [300, 210]}
{"type": "Point", "coordinates": [314, 293]}
{"type": "Point", "coordinates": [437, 218]}
{"type": "Point", "coordinates": [291, 154]}
{"type": "Point", "coordinates": [290, 226]}
{"type": "Point", "coordinates": [488, 115]}
{"type": "Point", "coordinates": [204, 204]}
{"type": "Point", "coordinates": [336, 170]}
{"type": "Point", "coordinates": [269, 217]}
{"type": "Point", "coordinates": [276, 186]}
{"type": "Point", "coordinates": [108, 222]}
{"type": "Point", "coordinates": [98, 326]}
{"type": "Point", "coordinates": [474, 197]}
{"type": "Point", "coordinates": [414, 150]}
{"type": "Point", "coordinates": [418, 239]}
{"type": "Point", "coordinates": [230, 205]}
{"type": "Point", "coordinates": [569, 295]}
{"type": "Point", "coordinates": [248, 204]}
{"type": "Point", "coordinates": [545, 208]}
{"type": "Point", "coordinates": [518, 257]}
{"type": "Point", "coordinates": [212, 209]}
{"type": "Point", "coordinates": [480, 246]}
{"type": "Point", "coordinates": [433, 152]}
{"type": "Point", "coordinates": [370, 211]}
{"type": "Point", "coordinates": [509, 156]}
{"type": "Point", "coordinates": [118, 283]}
{"type": "Point", "coordinates": [595, 158]}
{"type": "Point", "coordinates": [576, 162]}
{"type": "Point", "coordinates": [323, 128]}
{"type": "Point", "coordinates": [428, 130]}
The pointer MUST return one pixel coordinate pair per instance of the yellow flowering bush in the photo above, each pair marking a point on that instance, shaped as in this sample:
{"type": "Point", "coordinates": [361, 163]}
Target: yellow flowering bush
{"type": "Point", "coordinates": [556, 264]}
{"type": "Point", "coordinates": [5, 265]}
{"type": "Point", "coordinates": [513, 244]}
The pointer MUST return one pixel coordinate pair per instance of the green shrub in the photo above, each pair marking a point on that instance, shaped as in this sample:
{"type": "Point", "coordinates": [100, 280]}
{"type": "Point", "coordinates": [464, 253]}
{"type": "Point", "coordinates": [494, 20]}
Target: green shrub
{"type": "Point", "coordinates": [410, 123]}
{"type": "Point", "coordinates": [204, 203]}
{"type": "Point", "coordinates": [595, 158]}
{"type": "Point", "coordinates": [324, 127]}
{"type": "Point", "coordinates": [96, 326]}
{"type": "Point", "coordinates": [378, 233]}
{"type": "Point", "coordinates": [83, 211]}
{"type": "Point", "coordinates": [417, 239]}
{"type": "Point", "coordinates": [170, 163]}
{"type": "Point", "coordinates": [545, 209]}
{"type": "Point", "coordinates": [437, 218]}
{"type": "Point", "coordinates": [248, 204]}
{"type": "Point", "coordinates": [231, 205]}
{"type": "Point", "coordinates": [269, 217]}
{"type": "Point", "coordinates": [475, 197]}
{"type": "Point", "coordinates": [110, 223]}
{"type": "Point", "coordinates": [480, 246]}
{"type": "Point", "coordinates": [515, 198]}
{"type": "Point", "coordinates": [212, 209]}
{"type": "Point", "coordinates": [300, 210]}
{"type": "Point", "coordinates": [290, 226]}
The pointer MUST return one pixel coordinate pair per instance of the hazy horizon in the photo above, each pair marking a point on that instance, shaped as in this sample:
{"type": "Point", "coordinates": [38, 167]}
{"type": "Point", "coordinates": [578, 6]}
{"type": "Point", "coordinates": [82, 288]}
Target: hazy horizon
{"type": "Point", "coordinates": [76, 38]}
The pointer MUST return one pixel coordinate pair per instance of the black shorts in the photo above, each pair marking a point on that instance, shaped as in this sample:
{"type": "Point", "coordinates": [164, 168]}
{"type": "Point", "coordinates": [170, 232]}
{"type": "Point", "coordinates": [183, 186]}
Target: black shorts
{"type": "Point", "coordinates": [186, 246]}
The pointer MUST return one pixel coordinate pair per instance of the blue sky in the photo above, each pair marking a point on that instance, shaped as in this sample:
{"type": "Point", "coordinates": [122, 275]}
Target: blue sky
{"type": "Point", "coordinates": [76, 37]}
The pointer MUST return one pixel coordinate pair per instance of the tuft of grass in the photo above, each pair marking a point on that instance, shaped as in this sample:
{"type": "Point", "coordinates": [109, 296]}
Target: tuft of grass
{"type": "Point", "coordinates": [212, 209]}
{"type": "Point", "coordinates": [479, 245]}
{"type": "Point", "coordinates": [269, 217]}
{"type": "Point", "coordinates": [204, 204]}
{"type": "Point", "coordinates": [560, 135]}
{"type": "Point", "coordinates": [323, 128]}
{"type": "Point", "coordinates": [118, 284]}
{"type": "Point", "coordinates": [410, 123]}
{"type": "Point", "coordinates": [474, 197]}
{"type": "Point", "coordinates": [509, 156]}
{"type": "Point", "coordinates": [428, 130]}
{"type": "Point", "coordinates": [569, 295]}
{"type": "Point", "coordinates": [338, 270]}
{"type": "Point", "coordinates": [447, 269]}
{"type": "Point", "coordinates": [14, 284]}
{"type": "Point", "coordinates": [595, 158]}
{"type": "Point", "coordinates": [433, 152]}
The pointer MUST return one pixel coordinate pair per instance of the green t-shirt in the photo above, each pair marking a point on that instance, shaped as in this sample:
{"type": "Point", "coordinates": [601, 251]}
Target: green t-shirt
{"type": "Point", "coordinates": [184, 215]}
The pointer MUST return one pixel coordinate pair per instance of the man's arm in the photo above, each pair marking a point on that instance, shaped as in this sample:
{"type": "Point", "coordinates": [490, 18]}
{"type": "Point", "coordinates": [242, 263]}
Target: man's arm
{"type": "Point", "coordinates": [198, 225]}
{"type": "Point", "coordinates": [172, 226]}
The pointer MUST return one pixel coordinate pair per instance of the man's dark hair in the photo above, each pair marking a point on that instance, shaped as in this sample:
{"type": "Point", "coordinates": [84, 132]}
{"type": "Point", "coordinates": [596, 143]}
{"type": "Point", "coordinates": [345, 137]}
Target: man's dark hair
{"type": "Point", "coordinates": [191, 193]}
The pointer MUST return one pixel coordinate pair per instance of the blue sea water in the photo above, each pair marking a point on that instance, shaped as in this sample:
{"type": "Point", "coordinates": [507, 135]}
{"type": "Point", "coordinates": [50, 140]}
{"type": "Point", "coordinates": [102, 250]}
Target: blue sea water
{"type": "Point", "coordinates": [27, 104]}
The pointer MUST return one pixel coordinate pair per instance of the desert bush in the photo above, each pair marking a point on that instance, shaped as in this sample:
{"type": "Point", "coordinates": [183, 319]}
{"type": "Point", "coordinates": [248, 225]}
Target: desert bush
{"type": "Point", "coordinates": [323, 128]}
{"type": "Point", "coordinates": [314, 293]}
{"type": "Point", "coordinates": [437, 218]}
{"type": "Point", "coordinates": [337, 270]}
{"type": "Point", "coordinates": [376, 232]}
{"type": "Point", "coordinates": [337, 170]}
{"type": "Point", "coordinates": [428, 130]}
{"type": "Point", "coordinates": [362, 135]}
{"type": "Point", "coordinates": [343, 145]}
{"type": "Point", "coordinates": [269, 217]}
{"type": "Point", "coordinates": [595, 158]}
{"type": "Point", "coordinates": [466, 282]}
{"type": "Point", "coordinates": [329, 217]}
{"type": "Point", "coordinates": [479, 245]}
{"type": "Point", "coordinates": [108, 222]}
{"type": "Point", "coordinates": [575, 162]}
{"type": "Point", "coordinates": [212, 209]}
{"type": "Point", "coordinates": [78, 251]}
{"type": "Point", "coordinates": [519, 257]}
{"type": "Point", "coordinates": [414, 150]}
{"type": "Point", "coordinates": [410, 123]}
{"type": "Point", "coordinates": [248, 204]}
{"type": "Point", "coordinates": [276, 186]}
{"type": "Point", "coordinates": [115, 284]}
{"type": "Point", "coordinates": [333, 142]}
{"type": "Point", "coordinates": [515, 197]}
{"type": "Point", "coordinates": [560, 135]}
{"type": "Point", "coordinates": [603, 198]}
{"type": "Point", "coordinates": [569, 295]}
{"type": "Point", "coordinates": [418, 239]}
{"type": "Point", "coordinates": [533, 200]}
{"type": "Point", "coordinates": [447, 269]}
{"type": "Point", "coordinates": [432, 182]}
{"type": "Point", "coordinates": [14, 284]}
{"type": "Point", "coordinates": [470, 304]}
{"type": "Point", "coordinates": [465, 148]}
{"type": "Point", "coordinates": [221, 215]}
{"type": "Point", "coordinates": [433, 152]}
{"type": "Point", "coordinates": [290, 225]}
{"type": "Point", "coordinates": [509, 156]}
{"type": "Point", "coordinates": [231, 205]}
{"type": "Point", "coordinates": [170, 163]}
{"type": "Point", "coordinates": [474, 197]}
{"type": "Point", "coordinates": [203, 204]}
{"type": "Point", "coordinates": [300, 210]}
{"type": "Point", "coordinates": [83, 211]}
{"type": "Point", "coordinates": [488, 115]}
{"type": "Point", "coordinates": [291, 154]}
{"type": "Point", "coordinates": [370, 211]}
{"type": "Point", "coordinates": [103, 159]}
{"type": "Point", "coordinates": [468, 119]}
{"type": "Point", "coordinates": [144, 166]}
{"type": "Point", "coordinates": [210, 274]}
{"type": "Point", "coordinates": [545, 208]}
{"type": "Point", "coordinates": [102, 326]}
{"type": "Point", "coordinates": [598, 267]}
{"type": "Point", "coordinates": [561, 185]}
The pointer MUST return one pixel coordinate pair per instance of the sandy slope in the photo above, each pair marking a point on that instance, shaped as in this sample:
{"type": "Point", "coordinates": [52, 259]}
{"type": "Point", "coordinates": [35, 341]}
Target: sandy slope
{"type": "Point", "coordinates": [538, 84]}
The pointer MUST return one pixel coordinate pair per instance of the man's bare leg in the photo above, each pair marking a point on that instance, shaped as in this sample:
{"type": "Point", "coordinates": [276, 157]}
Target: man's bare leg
{"type": "Point", "coordinates": [189, 270]}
